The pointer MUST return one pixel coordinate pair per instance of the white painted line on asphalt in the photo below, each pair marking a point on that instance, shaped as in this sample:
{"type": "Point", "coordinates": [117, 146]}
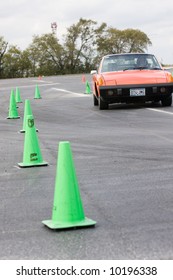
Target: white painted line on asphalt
{"type": "Point", "coordinates": [160, 111]}
{"type": "Point", "coordinates": [43, 81]}
{"type": "Point", "coordinates": [29, 86]}
{"type": "Point", "coordinates": [72, 92]}
{"type": "Point", "coordinates": [41, 85]}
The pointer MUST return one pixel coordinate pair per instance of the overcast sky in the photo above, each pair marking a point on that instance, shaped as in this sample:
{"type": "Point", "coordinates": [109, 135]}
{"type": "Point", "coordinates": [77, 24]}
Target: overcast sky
{"type": "Point", "coordinates": [21, 19]}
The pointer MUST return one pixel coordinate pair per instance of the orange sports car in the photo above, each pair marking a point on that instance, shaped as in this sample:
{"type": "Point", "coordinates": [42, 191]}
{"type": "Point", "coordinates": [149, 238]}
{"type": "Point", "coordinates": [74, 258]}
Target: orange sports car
{"type": "Point", "coordinates": [131, 78]}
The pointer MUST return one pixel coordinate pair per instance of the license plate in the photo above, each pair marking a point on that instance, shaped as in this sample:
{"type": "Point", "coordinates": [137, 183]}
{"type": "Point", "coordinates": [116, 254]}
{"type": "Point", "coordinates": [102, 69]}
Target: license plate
{"type": "Point", "coordinates": [137, 92]}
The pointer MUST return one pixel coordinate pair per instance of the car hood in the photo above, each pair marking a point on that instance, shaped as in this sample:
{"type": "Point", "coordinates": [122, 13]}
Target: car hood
{"type": "Point", "coordinates": [135, 77]}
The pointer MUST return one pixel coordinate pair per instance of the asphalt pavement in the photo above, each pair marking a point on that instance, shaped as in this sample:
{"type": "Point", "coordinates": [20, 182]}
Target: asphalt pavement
{"type": "Point", "coordinates": [123, 159]}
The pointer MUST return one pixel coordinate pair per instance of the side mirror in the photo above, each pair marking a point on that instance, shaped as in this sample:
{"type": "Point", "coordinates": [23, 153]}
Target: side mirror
{"type": "Point", "coordinates": [93, 72]}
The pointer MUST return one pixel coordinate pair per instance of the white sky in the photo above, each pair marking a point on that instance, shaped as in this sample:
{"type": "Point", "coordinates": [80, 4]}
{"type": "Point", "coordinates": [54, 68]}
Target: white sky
{"type": "Point", "coordinates": [21, 19]}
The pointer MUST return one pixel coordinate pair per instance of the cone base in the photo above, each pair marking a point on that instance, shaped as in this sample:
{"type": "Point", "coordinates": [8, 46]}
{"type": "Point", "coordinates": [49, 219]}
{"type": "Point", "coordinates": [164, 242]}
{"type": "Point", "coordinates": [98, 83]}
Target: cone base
{"type": "Point", "coordinates": [62, 225]}
{"type": "Point", "coordinates": [17, 117]}
{"type": "Point", "coordinates": [37, 97]}
{"type": "Point", "coordinates": [22, 164]}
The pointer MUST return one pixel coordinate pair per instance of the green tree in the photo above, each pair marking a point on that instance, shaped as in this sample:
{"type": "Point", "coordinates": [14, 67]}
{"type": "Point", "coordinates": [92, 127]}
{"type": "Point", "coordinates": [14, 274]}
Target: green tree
{"type": "Point", "coordinates": [3, 48]}
{"type": "Point", "coordinates": [112, 40]}
{"type": "Point", "coordinates": [12, 62]}
{"type": "Point", "coordinates": [25, 64]}
{"type": "Point", "coordinates": [79, 45]}
{"type": "Point", "coordinates": [45, 54]}
{"type": "Point", "coordinates": [135, 41]}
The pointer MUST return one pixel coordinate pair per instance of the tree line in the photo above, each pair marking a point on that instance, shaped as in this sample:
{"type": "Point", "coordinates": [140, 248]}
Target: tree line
{"type": "Point", "coordinates": [84, 43]}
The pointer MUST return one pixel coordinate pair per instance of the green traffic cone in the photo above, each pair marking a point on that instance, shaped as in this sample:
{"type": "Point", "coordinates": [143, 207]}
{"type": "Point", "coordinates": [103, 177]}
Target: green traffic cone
{"type": "Point", "coordinates": [88, 89]}
{"type": "Point", "coordinates": [32, 154]}
{"type": "Point", "coordinates": [13, 113]}
{"type": "Point", "coordinates": [18, 97]}
{"type": "Point", "coordinates": [37, 93]}
{"type": "Point", "coordinates": [27, 111]}
{"type": "Point", "coordinates": [67, 207]}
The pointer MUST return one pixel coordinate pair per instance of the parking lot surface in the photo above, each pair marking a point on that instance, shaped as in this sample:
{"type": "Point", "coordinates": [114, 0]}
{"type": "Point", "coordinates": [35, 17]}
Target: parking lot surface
{"type": "Point", "coordinates": [124, 164]}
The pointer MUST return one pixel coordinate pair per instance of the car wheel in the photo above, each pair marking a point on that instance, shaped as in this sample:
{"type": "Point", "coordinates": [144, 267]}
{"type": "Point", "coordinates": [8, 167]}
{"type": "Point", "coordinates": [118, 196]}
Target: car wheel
{"type": "Point", "coordinates": [102, 105]}
{"type": "Point", "coordinates": [167, 101]}
{"type": "Point", "coordinates": [96, 103]}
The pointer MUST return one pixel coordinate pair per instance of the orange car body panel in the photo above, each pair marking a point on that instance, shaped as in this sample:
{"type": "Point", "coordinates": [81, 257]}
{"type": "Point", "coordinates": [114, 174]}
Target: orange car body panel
{"type": "Point", "coordinates": [133, 77]}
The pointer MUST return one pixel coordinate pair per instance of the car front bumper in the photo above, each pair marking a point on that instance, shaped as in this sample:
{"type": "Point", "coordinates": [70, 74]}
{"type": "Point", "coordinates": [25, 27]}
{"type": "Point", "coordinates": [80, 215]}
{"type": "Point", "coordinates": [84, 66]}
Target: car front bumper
{"type": "Point", "coordinates": [135, 93]}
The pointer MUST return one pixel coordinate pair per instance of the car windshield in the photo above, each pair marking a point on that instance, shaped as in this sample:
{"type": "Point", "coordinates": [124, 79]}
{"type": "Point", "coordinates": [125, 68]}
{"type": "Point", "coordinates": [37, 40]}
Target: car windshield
{"type": "Point", "coordinates": [124, 62]}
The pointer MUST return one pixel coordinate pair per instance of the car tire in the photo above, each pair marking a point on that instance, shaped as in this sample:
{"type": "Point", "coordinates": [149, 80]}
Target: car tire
{"type": "Point", "coordinates": [103, 105]}
{"type": "Point", "coordinates": [167, 101]}
{"type": "Point", "coordinates": [96, 103]}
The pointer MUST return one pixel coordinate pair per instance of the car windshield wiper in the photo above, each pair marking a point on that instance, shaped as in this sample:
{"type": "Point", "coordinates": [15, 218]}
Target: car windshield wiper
{"type": "Point", "coordinates": [130, 68]}
{"type": "Point", "coordinates": [141, 67]}
{"type": "Point", "coordinates": [138, 68]}
{"type": "Point", "coordinates": [156, 68]}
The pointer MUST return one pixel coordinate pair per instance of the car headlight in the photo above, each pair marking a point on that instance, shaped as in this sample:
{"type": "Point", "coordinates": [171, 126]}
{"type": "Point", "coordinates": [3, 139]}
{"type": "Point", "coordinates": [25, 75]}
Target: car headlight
{"type": "Point", "coordinates": [162, 89]}
{"type": "Point", "coordinates": [110, 92]}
